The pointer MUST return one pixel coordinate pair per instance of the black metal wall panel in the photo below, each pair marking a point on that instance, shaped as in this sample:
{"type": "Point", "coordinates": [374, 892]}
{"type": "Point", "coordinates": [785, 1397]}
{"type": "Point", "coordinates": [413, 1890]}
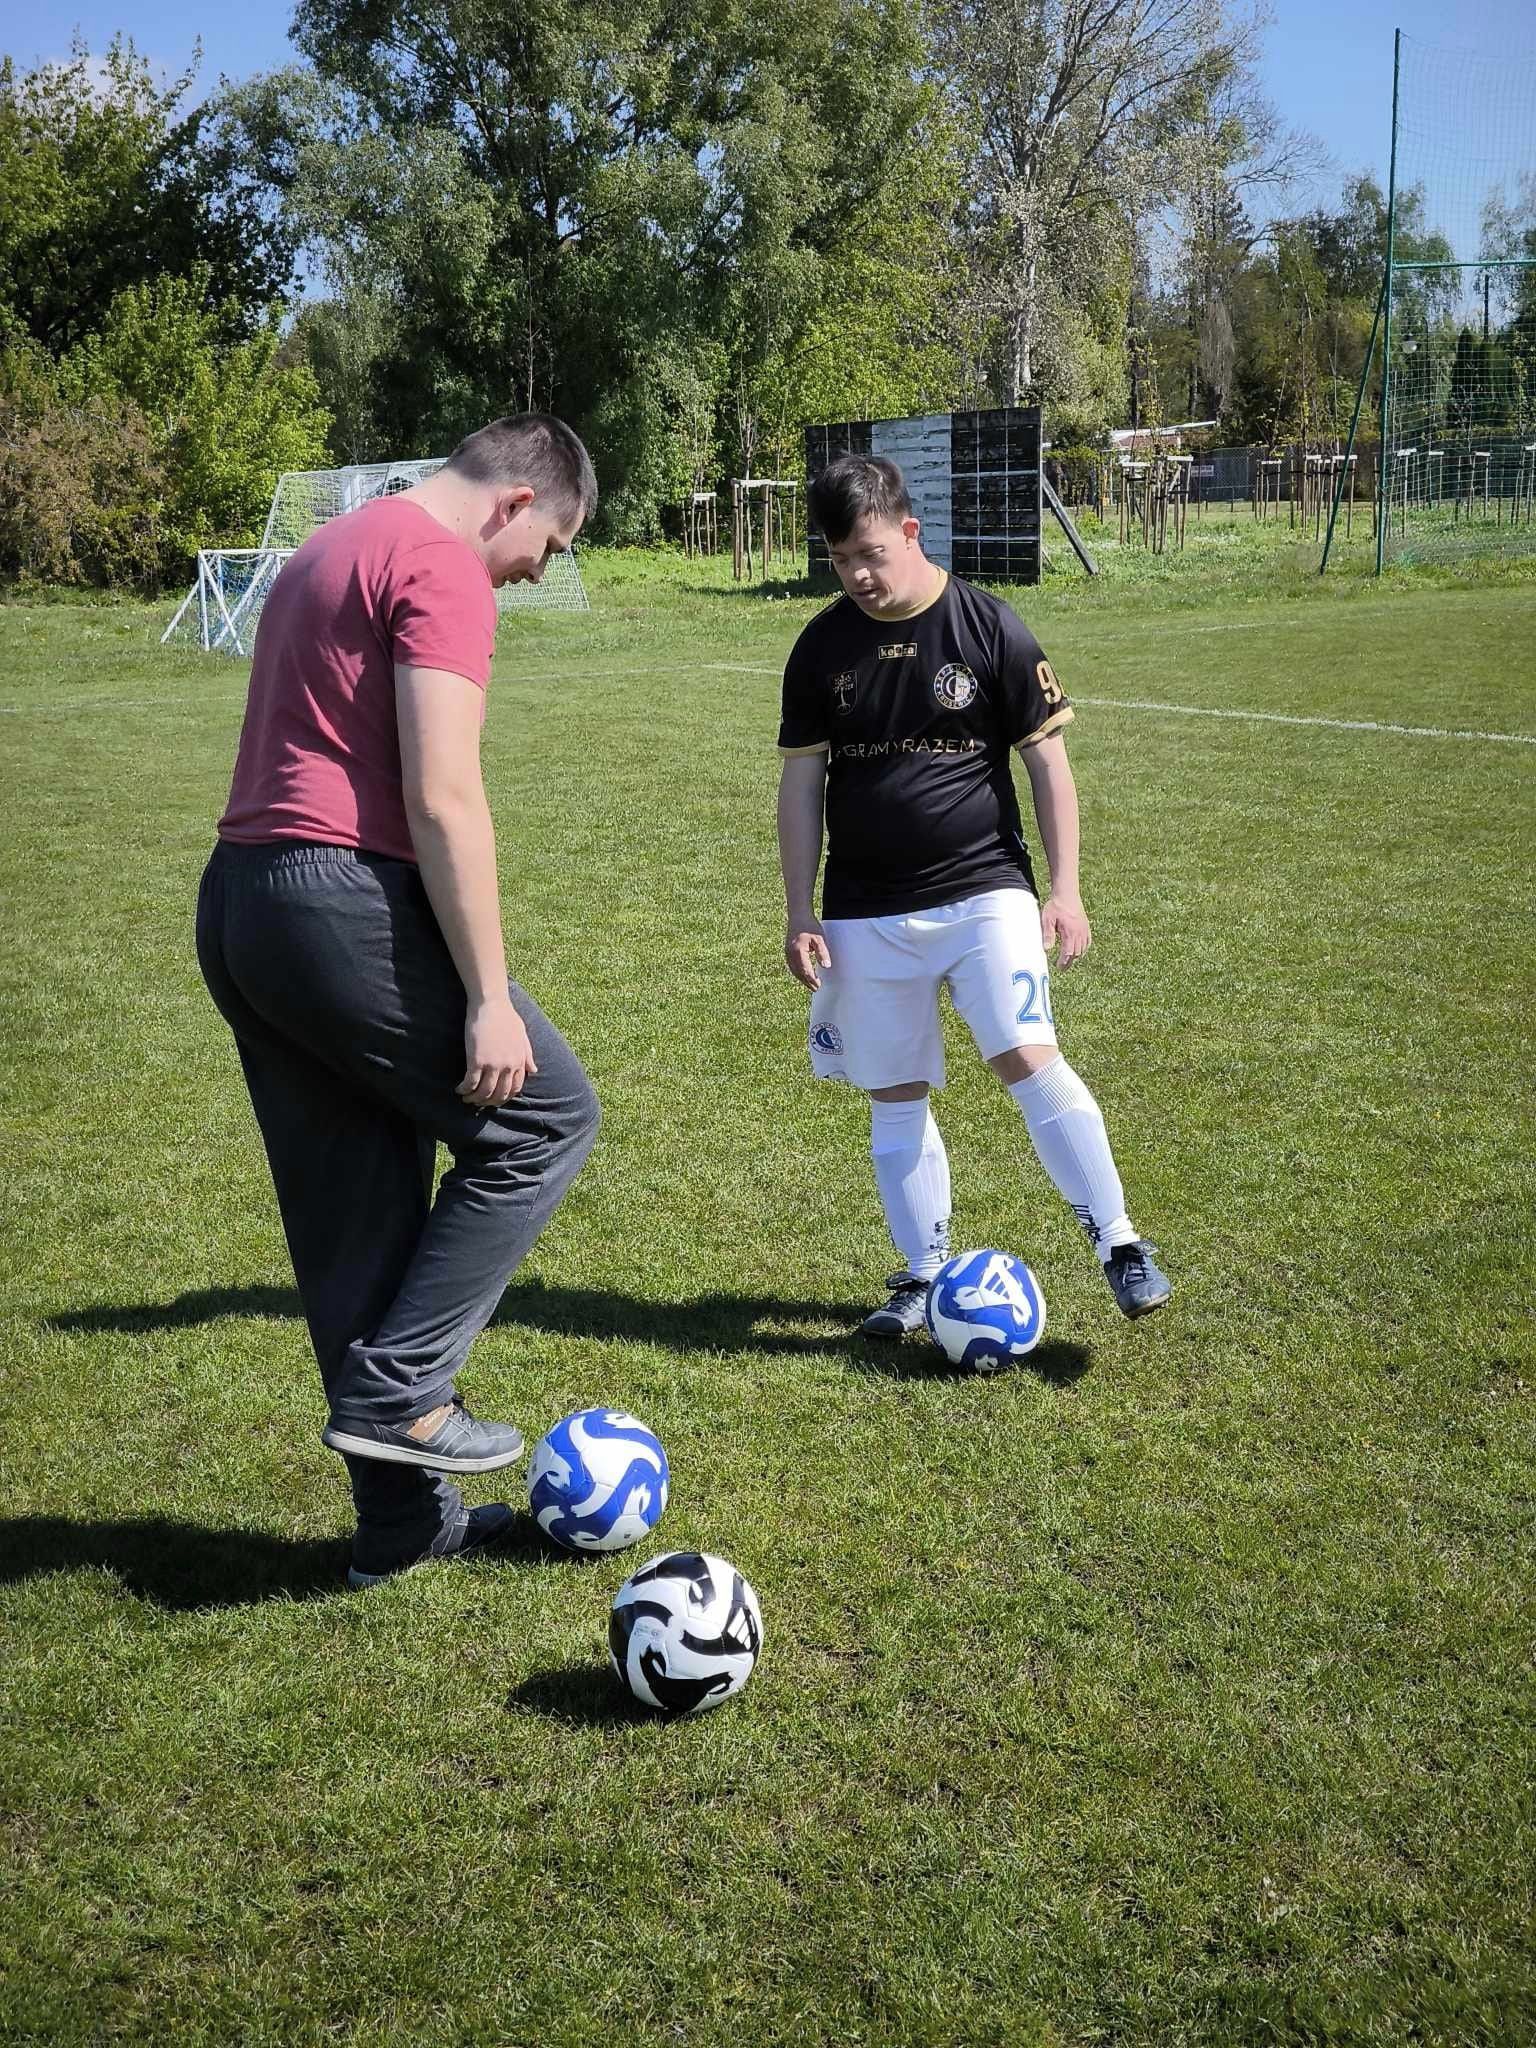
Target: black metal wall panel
{"type": "Point", "coordinates": [994, 487]}
{"type": "Point", "coordinates": [824, 445]}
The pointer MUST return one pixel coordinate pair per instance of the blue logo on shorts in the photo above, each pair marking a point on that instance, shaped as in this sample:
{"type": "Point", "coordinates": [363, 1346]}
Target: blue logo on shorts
{"type": "Point", "coordinates": [827, 1038]}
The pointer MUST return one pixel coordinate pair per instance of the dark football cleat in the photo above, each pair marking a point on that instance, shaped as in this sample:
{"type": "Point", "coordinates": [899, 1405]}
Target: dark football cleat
{"type": "Point", "coordinates": [902, 1315]}
{"type": "Point", "coordinates": [471, 1533]}
{"type": "Point", "coordinates": [1138, 1285]}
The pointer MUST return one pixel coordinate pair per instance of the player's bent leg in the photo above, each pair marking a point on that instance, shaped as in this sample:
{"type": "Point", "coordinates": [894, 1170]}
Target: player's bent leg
{"type": "Point", "coordinates": [1023, 1061]}
{"type": "Point", "coordinates": [912, 1174]}
{"type": "Point", "coordinates": [511, 1168]}
{"type": "Point", "coordinates": [1066, 1128]}
{"type": "Point", "coordinates": [1000, 980]}
{"type": "Point", "coordinates": [343, 957]}
{"type": "Point", "coordinates": [353, 1220]}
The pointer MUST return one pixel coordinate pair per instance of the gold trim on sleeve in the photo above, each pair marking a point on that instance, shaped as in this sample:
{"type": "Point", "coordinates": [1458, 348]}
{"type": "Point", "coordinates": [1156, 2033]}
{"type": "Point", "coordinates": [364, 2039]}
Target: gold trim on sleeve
{"type": "Point", "coordinates": [1054, 723]}
{"type": "Point", "coordinates": [798, 753]}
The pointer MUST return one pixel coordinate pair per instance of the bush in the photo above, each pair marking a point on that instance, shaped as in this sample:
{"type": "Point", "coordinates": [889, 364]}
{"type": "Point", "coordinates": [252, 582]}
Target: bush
{"type": "Point", "coordinates": [227, 419]}
{"type": "Point", "coordinates": [150, 440]}
{"type": "Point", "coordinates": [82, 482]}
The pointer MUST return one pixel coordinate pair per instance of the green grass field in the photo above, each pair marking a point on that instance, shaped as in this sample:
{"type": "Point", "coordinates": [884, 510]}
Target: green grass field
{"type": "Point", "coordinates": [1177, 1690]}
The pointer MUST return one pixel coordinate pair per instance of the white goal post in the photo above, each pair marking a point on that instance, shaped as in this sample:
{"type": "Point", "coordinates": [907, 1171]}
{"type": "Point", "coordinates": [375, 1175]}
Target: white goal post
{"type": "Point", "coordinates": [220, 611]}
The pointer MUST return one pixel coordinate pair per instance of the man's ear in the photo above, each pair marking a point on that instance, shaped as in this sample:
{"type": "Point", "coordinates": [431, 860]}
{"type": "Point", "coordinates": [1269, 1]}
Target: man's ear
{"type": "Point", "coordinates": [910, 528]}
{"type": "Point", "coordinates": [512, 499]}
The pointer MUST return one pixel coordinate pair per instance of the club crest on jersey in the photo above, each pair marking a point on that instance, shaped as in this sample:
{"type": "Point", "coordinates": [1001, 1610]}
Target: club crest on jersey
{"type": "Point", "coordinates": [826, 1038]}
{"type": "Point", "coordinates": [955, 686]}
{"type": "Point", "coordinates": [843, 688]}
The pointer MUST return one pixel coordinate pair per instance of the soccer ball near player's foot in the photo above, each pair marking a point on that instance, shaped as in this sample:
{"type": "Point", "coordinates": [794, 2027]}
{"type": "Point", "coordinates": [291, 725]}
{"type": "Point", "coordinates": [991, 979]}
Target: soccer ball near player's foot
{"type": "Point", "coordinates": [985, 1309]}
{"type": "Point", "coordinates": [685, 1632]}
{"type": "Point", "coordinates": [598, 1481]}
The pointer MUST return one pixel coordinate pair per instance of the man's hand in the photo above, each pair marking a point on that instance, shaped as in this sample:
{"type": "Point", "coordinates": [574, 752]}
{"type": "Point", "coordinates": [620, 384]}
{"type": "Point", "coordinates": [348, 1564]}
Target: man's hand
{"type": "Point", "coordinates": [806, 951]}
{"type": "Point", "coordinates": [1064, 918]}
{"type": "Point", "coordinates": [498, 1058]}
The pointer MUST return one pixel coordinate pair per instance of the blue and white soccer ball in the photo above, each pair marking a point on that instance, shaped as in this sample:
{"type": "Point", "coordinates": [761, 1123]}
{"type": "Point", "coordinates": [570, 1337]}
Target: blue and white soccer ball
{"type": "Point", "coordinates": [985, 1309]}
{"type": "Point", "coordinates": [598, 1481]}
{"type": "Point", "coordinates": [685, 1632]}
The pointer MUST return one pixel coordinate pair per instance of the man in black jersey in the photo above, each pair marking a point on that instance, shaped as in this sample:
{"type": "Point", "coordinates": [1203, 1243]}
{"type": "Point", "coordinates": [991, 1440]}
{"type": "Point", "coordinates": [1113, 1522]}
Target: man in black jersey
{"type": "Point", "coordinates": [902, 704]}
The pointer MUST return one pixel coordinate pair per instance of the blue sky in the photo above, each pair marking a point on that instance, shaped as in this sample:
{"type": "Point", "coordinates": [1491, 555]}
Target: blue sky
{"type": "Point", "coordinates": [1327, 63]}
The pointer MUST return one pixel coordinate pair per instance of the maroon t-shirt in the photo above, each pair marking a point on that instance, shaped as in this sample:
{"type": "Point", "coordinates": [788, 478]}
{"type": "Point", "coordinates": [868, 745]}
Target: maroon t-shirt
{"type": "Point", "coordinates": [320, 749]}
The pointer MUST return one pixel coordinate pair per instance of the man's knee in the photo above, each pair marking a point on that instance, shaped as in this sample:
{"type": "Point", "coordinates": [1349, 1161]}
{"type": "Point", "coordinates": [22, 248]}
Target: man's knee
{"type": "Point", "coordinates": [1023, 1061]}
{"type": "Point", "coordinates": [583, 1124]}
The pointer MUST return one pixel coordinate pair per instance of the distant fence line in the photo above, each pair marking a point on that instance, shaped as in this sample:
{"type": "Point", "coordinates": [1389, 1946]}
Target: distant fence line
{"type": "Point", "coordinates": [1217, 476]}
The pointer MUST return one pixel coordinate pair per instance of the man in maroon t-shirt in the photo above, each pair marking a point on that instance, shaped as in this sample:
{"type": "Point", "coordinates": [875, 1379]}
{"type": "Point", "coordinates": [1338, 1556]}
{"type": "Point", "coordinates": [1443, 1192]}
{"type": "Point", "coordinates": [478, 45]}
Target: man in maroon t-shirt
{"type": "Point", "coordinates": [349, 930]}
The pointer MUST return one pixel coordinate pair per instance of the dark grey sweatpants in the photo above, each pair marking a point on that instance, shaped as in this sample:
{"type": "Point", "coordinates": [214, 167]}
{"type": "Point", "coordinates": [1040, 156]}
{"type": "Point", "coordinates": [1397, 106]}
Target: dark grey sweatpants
{"type": "Point", "coordinates": [348, 1012]}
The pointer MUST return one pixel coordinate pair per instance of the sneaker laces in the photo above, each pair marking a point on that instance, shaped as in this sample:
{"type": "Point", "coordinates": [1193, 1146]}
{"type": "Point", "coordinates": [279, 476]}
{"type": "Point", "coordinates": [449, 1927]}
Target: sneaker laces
{"type": "Point", "coordinates": [1134, 1258]}
{"type": "Point", "coordinates": [905, 1283]}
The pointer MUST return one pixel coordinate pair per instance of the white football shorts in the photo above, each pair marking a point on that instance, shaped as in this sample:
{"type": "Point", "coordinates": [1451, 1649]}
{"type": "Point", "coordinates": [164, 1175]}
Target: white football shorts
{"type": "Point", "coordinates": [875, 1018]}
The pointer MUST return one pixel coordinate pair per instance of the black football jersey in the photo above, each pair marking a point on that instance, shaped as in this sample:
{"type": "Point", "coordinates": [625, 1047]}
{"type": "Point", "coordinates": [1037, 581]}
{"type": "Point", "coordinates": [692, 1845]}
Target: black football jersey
{"type": "Point", "coordinates": [917, 717]}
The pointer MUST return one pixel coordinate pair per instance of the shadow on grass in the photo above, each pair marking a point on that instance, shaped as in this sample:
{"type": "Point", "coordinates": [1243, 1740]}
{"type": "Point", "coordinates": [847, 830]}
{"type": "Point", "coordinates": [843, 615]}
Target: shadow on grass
{"type": "Point", "coordinates": [712, 1322]}
{"type": "Point", "coordinates": [1056, 1362]}
{"type": "Point", "coordinates": [581, 1696]}
{"type": "Point", "coordinates": [208, 1305]}
{"type": "Point", "coordinates": [775, 586]}
{"type": "Point", "coordinates": [182, 1566]}
{"type": "Point", "coordinates": [176, 1565]}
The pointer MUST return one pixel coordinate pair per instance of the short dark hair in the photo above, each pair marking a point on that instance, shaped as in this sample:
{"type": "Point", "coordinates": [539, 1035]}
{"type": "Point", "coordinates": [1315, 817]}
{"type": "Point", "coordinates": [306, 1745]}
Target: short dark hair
{"type": "Point", "coordinates": [856, 487]}
{"type": "Point", "coordinates": [531, 448]}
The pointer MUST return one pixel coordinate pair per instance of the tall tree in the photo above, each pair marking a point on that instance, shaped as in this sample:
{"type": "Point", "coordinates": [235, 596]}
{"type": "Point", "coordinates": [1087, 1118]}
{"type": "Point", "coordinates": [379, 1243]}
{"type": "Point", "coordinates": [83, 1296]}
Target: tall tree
{"type": "Point", "coordinates": [1071, 103]}
{"type": "Point", "coordinates": [607, 209]}
{"type": "Point", "coordinates": [1229, 158]}
{"type": "Point", "coordinates": [105, 182]}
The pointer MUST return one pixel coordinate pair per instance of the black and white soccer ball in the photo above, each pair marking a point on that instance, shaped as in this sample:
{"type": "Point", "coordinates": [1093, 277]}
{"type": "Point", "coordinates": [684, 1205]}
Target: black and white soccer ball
{"type": "Point", "coordinates": [685, 1632]}
{"type": "Point", "coordinates": [984, 1309]}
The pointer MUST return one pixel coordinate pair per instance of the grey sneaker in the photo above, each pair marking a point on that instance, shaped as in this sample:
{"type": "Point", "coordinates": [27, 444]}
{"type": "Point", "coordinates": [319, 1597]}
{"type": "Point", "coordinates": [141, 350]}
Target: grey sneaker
{"type": "Point", "coordinates": [470, 1532]}
{"type": "Point", "coordinates": [458, 1444]}
{"type": "Point", "coordinates": [1139, 1287]}
{"type": "Point", "coordinates": [902, 1314]}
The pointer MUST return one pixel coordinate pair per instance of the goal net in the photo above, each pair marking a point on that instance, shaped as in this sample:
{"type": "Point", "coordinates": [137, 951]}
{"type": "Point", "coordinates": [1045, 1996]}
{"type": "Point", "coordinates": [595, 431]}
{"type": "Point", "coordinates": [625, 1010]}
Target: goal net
{"type": "Point", "coordinates": [220, 611]}
{"type": "Point", "coordinates": [1458, 458]}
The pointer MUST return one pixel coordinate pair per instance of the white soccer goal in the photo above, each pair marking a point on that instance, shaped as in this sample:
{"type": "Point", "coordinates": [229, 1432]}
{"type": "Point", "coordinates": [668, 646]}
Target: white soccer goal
{"type": "Point", "coordinates": [220, 611]}
{"type": "Point", "coordinates": [307, 498]}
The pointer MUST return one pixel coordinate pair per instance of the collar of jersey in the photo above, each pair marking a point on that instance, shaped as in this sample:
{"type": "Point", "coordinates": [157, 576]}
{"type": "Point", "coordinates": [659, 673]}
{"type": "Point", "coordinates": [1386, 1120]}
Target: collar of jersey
{"type": "Point", "coordinates": [895, 618]}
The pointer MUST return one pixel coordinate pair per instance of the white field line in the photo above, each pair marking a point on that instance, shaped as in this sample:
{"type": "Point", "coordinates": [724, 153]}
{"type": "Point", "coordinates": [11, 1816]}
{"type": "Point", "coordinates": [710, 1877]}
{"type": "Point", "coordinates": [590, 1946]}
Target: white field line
{"type": "Point", "coordinates": [1410, 732]}
{"type": "Point", "coordinates": [743, 668]}
{"type": "Point", "coordinates": [1416, 732]}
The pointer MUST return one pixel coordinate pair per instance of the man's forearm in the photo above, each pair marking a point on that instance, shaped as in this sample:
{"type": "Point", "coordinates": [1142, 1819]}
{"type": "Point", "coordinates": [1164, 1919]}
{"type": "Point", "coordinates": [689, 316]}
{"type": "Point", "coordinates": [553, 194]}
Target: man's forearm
{"type": "Point", "coordinates": [1055, 798]}
{"type": "Point", "coordinates": [800, 830]}
{"type": "Point", "coordinates": [456, 850]}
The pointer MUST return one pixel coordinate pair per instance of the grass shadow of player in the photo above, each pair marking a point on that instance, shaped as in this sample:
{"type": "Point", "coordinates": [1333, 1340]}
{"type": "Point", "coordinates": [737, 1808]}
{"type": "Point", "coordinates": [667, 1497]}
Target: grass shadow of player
{"type": "Point", "coordinates": [180, 1566]}
{"type": "Point", "coordinates": [579, 1696]}
{"type": "Point", "coordinates": [186, 1567]}
{"type": "Point", "coordinates": [1057, 1362]}
{"type": "Point", "coordinates": [711, 1322]}
{"type": "Point", "coordinates": [775, 586]}
{"type": "Point", "coordinates": [187, 1311]}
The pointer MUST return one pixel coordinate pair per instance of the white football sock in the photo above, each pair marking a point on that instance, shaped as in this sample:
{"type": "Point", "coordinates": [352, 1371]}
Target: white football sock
{"type": "Point", "coordinates": [1067, 1131]}
{"type": "Point", "coordinates": [912, 1174]}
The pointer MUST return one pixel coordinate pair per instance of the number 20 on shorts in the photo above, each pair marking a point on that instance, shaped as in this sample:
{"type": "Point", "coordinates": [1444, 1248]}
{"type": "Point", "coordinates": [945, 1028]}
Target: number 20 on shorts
{"type": "Point", "coordinates": [1036, 1006]}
